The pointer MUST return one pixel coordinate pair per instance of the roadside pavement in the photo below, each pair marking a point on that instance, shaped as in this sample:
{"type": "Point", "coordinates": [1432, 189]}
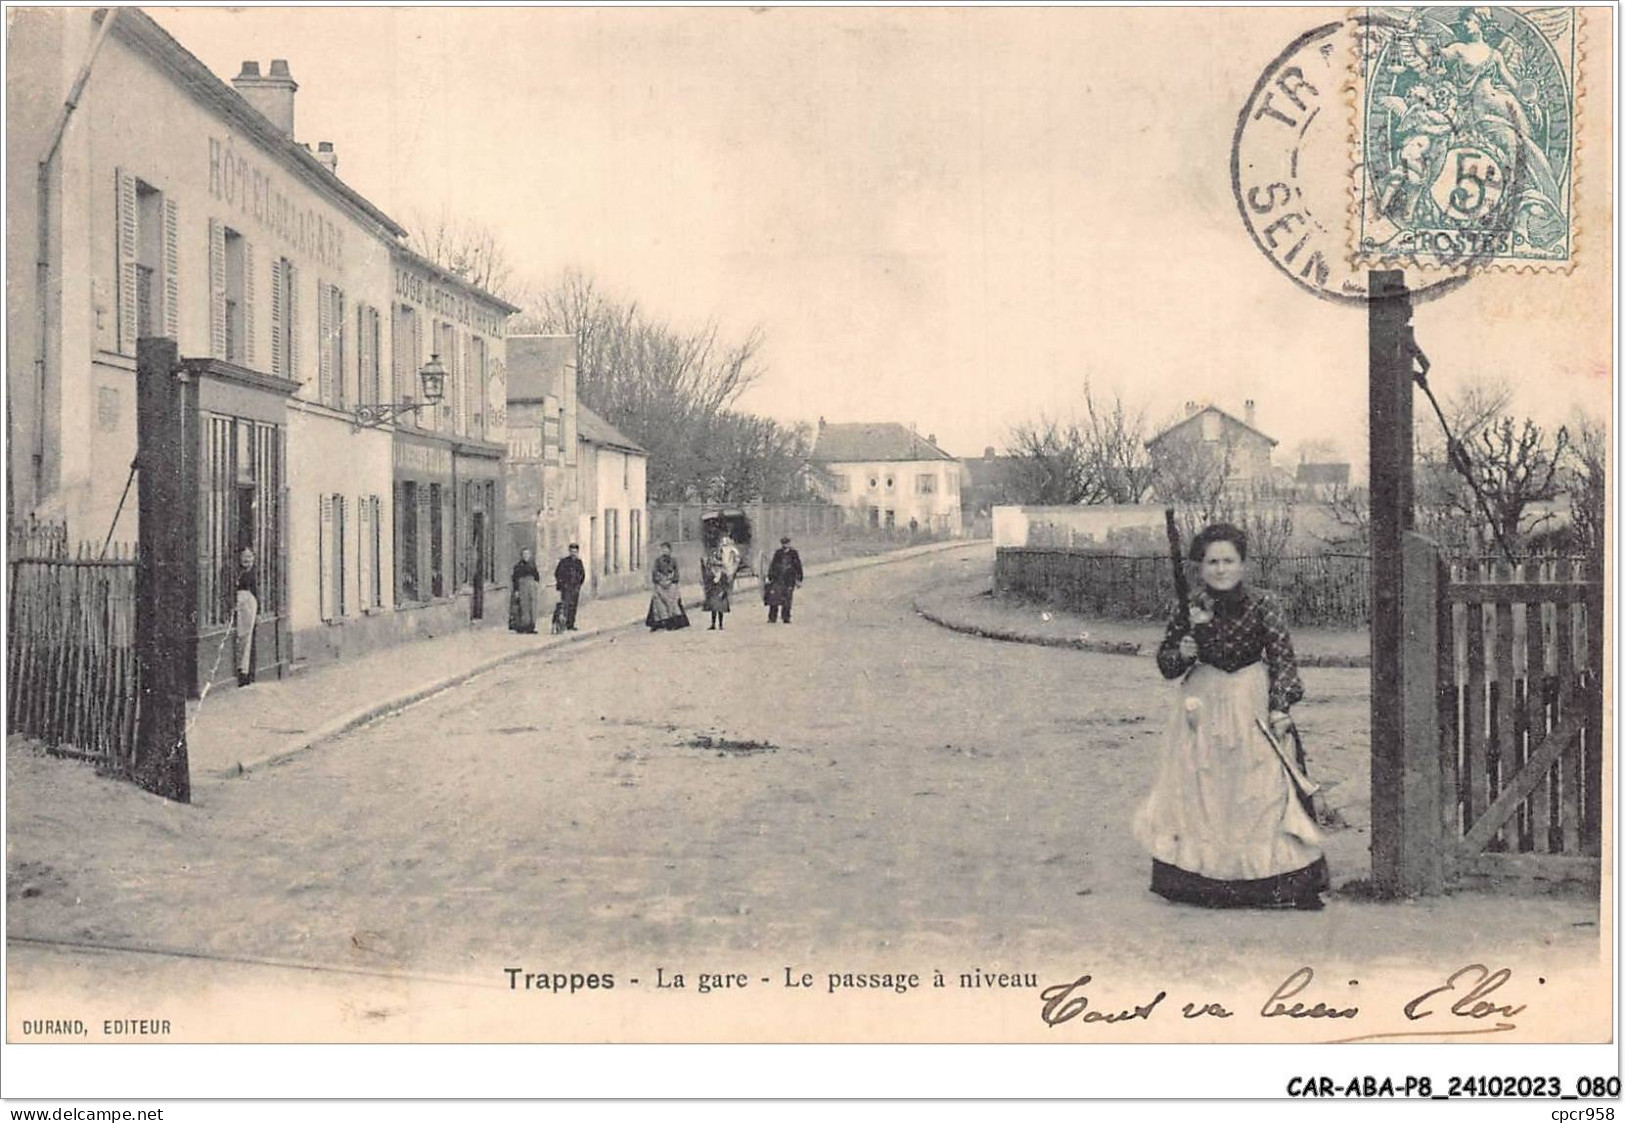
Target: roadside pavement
{"type": "Point", "coordinates": [231, 730]}
{"type": "Point", "coordinates": [971, 607]}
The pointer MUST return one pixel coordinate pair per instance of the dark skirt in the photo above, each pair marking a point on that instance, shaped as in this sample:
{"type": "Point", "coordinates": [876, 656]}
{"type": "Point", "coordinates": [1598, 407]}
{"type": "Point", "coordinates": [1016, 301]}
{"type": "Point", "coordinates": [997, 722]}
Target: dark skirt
{"type": "Point", "coordinates": [522, 605]}
{"type": "Point", "coordinates": [666, 611]}
{"type": "Point", "coordinates": [1294, 889]}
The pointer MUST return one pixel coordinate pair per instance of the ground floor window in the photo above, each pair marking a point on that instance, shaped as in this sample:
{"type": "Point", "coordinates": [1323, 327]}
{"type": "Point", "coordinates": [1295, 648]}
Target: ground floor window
{"type": "Point", "coordinates": [369, 569]}
{"type": "Point", "coordinates": [476, 516]}
{"type": "Point", "coordinates": [331, 548]}
{"type": "Point", "coordinates": [407, 587]}
{"type": "Point", "coordinates": [241, 501]}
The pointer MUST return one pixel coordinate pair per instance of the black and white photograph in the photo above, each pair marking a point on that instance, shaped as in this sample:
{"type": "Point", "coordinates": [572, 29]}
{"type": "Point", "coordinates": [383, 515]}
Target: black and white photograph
{"type": "Point", "coordinates": [812, 526]}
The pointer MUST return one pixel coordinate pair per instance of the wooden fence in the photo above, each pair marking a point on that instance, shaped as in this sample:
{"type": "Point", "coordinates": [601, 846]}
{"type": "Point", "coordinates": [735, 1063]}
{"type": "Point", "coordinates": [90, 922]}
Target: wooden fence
{"type": "Point", "coordinates": [1320, 590]}
{"type": "Point", "coordinates": [1521, 720]}
{"type": "Point", "coordinates": [1316, 590]}
{"type": "Point", "coordinates": [70, 653]}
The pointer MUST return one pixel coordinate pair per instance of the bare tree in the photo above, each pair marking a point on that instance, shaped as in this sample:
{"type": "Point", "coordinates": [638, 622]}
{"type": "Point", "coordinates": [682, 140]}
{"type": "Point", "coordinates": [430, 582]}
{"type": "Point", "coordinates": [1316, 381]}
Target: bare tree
{"type": "Point", "coordinates": [668, 388]}
{"type": "Point", "coordinates": [1586, 481]}
{"type": "Point", "coordinates": [1116, 461]}
{"type": "Point", "coordinates": [1319, 450]}
{"type": "Point", "coordinates": [1048, 464]}
{"type": "Point", "coordinates": [462, 246]}
{"type": "Point", "coordinates": [1350, 510]}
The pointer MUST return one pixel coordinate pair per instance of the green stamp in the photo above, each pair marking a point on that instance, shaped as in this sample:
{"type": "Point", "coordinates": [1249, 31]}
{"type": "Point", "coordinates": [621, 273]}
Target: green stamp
{"type": "Point", "coordinates": [1465, 126]}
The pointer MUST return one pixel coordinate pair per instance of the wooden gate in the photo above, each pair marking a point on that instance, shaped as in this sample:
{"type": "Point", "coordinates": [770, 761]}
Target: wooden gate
{"type": "Point", "coordinates": [1520, 687]}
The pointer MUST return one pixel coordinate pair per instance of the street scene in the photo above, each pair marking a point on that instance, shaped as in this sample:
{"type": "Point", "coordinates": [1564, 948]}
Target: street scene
{"type": "Point", "coordinates": [671, 531]}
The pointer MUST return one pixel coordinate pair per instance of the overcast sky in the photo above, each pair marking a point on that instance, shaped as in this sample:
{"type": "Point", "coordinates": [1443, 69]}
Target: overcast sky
{"type": "Point", "coordinates": [945, 217]}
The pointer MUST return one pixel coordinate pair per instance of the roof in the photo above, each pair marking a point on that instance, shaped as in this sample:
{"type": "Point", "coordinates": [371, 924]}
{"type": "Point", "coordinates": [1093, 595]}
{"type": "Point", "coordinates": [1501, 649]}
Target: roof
{"type": "Point", "coordinates": [536, 365]}
{"type": "Point", "coordinates": [1320, 475]}
{"type": "Point", "coordinates": [595, 430]}
{"type": "Point", "coordinates": [864, 441]}
{"type": "Point", "coordinates": [1232, 418]}
{"type": "Point", "coordinates": [142, 32]}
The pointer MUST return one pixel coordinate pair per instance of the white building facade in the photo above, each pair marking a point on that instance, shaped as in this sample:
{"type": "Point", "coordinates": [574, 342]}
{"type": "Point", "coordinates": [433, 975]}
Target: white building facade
{"type": "Point", "coordinates": [166, 202]}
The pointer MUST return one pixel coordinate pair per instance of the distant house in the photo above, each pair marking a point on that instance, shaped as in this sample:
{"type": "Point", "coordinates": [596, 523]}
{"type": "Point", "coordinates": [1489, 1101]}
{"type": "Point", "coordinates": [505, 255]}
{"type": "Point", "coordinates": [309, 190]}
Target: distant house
{"type": "Point", "coordinates": [613, 472]}
{"type": "Point", "coordinates": [1208, 440]}
{"type": "Point", "coordinates": [888, 476]}
{"type": "Point", "coordinates": [984, 482]}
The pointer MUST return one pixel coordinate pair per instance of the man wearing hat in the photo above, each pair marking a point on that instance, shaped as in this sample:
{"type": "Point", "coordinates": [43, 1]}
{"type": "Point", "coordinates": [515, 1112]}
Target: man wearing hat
{"type": "Point", "coordinates": [783, 575]}
{"type": "Point", "coordinates": [569, 577]}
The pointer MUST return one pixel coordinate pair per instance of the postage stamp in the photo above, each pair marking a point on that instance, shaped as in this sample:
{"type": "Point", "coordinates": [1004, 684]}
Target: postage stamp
{"type": "Point", "coordinates": [1464, 136]}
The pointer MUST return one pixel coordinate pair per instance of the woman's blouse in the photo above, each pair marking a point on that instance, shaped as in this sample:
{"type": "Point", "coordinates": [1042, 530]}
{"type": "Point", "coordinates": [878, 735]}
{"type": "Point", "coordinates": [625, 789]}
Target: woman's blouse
{"type": "Point", "coordinates": [665, 571]}
{"type": "Point", "coordinates": [525, 569]}
{"type": "Point", "coordinates": [1247, 626]}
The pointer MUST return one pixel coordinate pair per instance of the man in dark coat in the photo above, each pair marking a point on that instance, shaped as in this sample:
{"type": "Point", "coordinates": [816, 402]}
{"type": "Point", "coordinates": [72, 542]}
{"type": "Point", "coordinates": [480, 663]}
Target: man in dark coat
{"type": "Point", "coordinates": [783, 575]}
{"type": "Point", "coordinates": [569, 577]}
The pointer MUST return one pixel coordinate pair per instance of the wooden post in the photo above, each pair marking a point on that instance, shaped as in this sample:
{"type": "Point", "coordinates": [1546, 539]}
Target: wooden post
{"type": "Point", "coordinates": [1406, 847]}
{"type": "Point", "coordinates": [166, 567]}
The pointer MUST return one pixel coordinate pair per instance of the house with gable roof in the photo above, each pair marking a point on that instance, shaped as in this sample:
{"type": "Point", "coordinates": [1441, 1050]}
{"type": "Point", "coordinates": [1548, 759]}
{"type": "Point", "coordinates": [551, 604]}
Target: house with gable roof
{"type": "Point", "coordinates": [887, 476]}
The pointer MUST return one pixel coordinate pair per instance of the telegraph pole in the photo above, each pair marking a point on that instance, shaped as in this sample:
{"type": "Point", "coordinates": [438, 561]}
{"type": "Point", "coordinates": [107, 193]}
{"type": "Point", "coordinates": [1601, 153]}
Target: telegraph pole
{"type": "Point", "coordinates": [1406, 850]}
{"type": "Point", "coordinates": [166, 566]}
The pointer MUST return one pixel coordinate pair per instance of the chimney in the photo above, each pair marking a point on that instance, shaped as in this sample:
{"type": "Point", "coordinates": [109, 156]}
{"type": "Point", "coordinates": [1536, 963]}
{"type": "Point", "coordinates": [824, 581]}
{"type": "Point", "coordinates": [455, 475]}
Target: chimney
{"type": "Point", "coordinates": [1190, 408]}
{"type": "Point", "coordinates": [820, 424]}
{"type": "Point", "coordinates": [930, 438]}
{"type": "Point", "coordinates": [987, 453]}
{"type": "Point", "coordinates": [1252, 413]}
{"type": "Point", "coordinates": [271, 94]}
{"type": "Point", "coordinates": [328, 158]}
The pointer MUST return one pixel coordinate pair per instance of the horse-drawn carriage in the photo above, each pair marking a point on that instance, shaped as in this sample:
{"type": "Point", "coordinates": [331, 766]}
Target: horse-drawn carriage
{"type": "Point", "coordinates": [733, 522]}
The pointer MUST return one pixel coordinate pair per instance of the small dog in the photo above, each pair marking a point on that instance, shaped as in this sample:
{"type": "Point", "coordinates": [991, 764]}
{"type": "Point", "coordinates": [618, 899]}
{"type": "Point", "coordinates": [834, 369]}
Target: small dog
{"type": "Point", "coordinates": [558, 618]}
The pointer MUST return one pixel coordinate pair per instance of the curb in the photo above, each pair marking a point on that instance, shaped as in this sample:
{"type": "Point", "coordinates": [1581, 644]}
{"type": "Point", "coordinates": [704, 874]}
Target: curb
{"type": "Point", "coordinates": [357, 718]}
{"type": "Point", "coordinates": [1104, 647]}
{"type": "Point", "coordinates": [1097, 646]}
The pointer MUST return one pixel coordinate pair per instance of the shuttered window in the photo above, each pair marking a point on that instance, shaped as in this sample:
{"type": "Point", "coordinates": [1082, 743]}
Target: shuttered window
{"type": "Point", "coordinates": [368, 330]}
{"type": "Point", "coordinates": [284, 315]}
{"type": "Point", "coordinates": [332, 549]}
{"type": "Point", "coordinates": [128, 249]}
{"type": "Point", "coordinates": [333, 389]}
{"type": "Point", "coordinates": [369, 554]}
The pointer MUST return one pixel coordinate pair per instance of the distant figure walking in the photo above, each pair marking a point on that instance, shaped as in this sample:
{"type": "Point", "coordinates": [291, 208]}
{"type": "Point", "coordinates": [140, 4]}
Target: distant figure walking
{"type": "Point", "coordinates": [523, 591]}
{"type": "Point", "coordinates": [666, 605]}
{"type": "Point", "coordinates": [246, 612]}
{"type": "Point", "coordinates": [783, 576]}
{"type": "Point", "coordinates": [718, 581]}
{"type": "Point", "coordinates": [569, 576]}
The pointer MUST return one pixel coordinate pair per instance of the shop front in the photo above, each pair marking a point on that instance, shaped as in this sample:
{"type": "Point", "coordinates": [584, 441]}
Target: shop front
{"type": "Point", "coordinates": [242, 505]}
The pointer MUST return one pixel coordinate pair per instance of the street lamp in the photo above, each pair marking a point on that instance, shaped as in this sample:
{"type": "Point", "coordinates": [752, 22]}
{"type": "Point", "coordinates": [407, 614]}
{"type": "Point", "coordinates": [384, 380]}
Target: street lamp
{"type": "Point", "coordinates": [433, 378]}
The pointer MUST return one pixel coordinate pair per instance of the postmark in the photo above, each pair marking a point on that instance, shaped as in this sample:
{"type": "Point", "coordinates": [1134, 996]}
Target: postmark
{"type": "Point", "coordinates": [1464, 137]}
{"type": "Point", "coordinates": [1290, 168]}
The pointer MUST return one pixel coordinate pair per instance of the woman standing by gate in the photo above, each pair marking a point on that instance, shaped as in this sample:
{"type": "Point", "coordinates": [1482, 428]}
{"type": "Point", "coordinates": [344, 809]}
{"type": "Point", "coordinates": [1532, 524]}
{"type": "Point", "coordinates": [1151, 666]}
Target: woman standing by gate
{"type": "Point", "coordinates": [1224, 824]}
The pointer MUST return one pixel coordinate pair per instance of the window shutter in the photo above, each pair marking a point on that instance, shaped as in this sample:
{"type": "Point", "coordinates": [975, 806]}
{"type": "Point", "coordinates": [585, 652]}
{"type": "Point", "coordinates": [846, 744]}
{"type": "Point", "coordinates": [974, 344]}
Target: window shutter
{"type": "Point", "coordinates": [128, 250]}
{"type": "Point", "coordinates": [335, 321]}
{"type": "Point", "coordinates": [324, 550]}
{"type": "Point", "coordinates": [324, 344]}
{"type": "Point", "coordinates": [375, 340]}
{"type": "Point", "coordinates": [248, 304]}
{"type": "Point", "coordinates": [217, 289]}
{"type": "Point", "coordinates": [425, 532]}
{"type": "Point", "coordinates": [416, 364]}
{"type": "Point", "coordinates": [278, 315]}
{"type": "Point", "coordinates": [341, 544]}
{"type": "Point", "coordinates": [172, 270]}
{"type": "Point", "coordinates": [361, 369]}
{"type": "Point", "coordinates": [290, 277]}
{"type": "Point", "coordinates": [364, 554]}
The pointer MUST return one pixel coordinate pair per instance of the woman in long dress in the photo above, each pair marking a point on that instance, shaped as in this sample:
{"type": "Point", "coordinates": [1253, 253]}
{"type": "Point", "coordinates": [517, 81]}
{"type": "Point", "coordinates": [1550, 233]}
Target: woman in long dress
{"type": "Point", "coordinates": [1224, 825]}
{"type": "Point", "coordinates": [666, 605]}
{"type": "Point", "coordinates": [718, 587]}
{"type": "Point", "coordinates": [523, 592]}
{"type": "Point", "coordinates": [245, 611]}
